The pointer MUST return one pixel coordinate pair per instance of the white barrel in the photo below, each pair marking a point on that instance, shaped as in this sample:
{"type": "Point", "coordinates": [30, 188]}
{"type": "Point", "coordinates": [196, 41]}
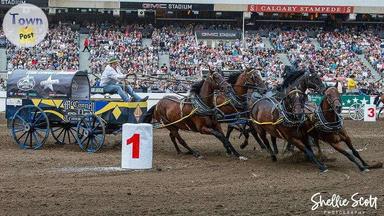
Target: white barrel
{"type": "Point", "coordinates": [137, 146]}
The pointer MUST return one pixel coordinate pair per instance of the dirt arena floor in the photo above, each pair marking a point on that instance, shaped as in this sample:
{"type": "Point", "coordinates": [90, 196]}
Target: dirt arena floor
{"type": "Point", "coordinates": [62, 180]}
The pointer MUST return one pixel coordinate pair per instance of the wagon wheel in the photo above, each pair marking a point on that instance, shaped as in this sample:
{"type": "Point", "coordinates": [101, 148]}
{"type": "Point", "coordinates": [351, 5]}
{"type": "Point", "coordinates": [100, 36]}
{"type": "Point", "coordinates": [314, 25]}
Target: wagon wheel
{"type": "Point", "coordinates": [30, 127]}
{"type": "Point", "coordinates": [90, 133]}
{"type": "Point", "coordinates": [356, 111]}
{"type": "Point", "coordinates": [64, 134]}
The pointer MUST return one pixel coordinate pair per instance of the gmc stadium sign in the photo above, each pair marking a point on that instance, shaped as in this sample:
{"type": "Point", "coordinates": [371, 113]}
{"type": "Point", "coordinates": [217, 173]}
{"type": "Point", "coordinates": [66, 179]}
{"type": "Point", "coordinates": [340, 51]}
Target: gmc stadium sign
{"type": "Point", "coordinates": [166, 6]}
{"type": "Point", "coordinates": [218, 34]}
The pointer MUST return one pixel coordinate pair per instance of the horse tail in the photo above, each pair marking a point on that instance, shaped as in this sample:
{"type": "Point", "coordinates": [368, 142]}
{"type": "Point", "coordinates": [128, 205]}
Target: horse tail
{"type": "Point", "coordinates": [147, 117]}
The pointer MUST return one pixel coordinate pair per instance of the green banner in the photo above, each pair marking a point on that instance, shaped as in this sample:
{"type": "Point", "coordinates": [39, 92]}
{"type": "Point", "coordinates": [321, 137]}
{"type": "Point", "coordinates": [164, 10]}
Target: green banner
{"type": "Point", "coordinates": [347, 100]}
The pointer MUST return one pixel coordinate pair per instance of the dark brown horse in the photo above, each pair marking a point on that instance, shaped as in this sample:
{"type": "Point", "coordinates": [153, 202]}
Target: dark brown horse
{"type": "Point", "coordinates": [235, 101]}
{"type": "Point", "coordinates": [195, 113]}
{"type": "Point", "coordinates": [301, 80]}
{"type": "Point", "coordinates": [326, 124]}
{"type": "Point", "coordinates": [282, 120]}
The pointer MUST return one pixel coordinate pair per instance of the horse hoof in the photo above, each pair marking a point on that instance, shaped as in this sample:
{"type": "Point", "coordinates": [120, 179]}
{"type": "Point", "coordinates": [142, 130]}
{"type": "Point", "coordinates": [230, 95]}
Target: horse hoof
{"type": "Point", "coordinates": [365, 170]}
{"type": "Point", "coordinates": [199, 157]}
{"type": "Point", "coordinates": [274, 158]}
{"type": "Point", "coordinates": [324, 171]}
{"type": "Point", "coordinates": [243, 158]}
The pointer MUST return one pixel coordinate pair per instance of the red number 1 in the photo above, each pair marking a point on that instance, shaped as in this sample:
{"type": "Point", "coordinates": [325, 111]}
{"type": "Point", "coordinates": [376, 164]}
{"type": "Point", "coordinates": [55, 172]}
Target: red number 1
{"type": "Point", "coordinates": [371, 112]}
{"type": "Point", "coordinates": [135, 140]}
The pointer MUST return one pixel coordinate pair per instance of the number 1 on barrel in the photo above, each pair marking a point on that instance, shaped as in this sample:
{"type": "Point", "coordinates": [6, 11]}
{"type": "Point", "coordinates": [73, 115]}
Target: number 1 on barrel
{"type": "Point", "coordinates": [135, 140]}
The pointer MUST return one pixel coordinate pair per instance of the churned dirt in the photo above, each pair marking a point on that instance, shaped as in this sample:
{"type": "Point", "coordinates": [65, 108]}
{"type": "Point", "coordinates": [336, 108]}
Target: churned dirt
{"type": "Point", "coordinates": [62, 180]}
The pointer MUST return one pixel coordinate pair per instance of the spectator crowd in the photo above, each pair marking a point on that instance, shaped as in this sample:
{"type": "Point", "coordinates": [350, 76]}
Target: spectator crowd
{"type": "Point", "coordinates": [336, 54]}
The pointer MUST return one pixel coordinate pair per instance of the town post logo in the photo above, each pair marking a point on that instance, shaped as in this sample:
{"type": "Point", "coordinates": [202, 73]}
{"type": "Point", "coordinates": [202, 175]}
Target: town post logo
{"type": "Point", "coordinates": [25, 25]}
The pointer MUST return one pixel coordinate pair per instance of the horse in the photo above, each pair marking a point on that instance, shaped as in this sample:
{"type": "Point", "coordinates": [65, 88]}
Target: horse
{"type": "Point", "coordinates": [326, 124]}
{"type": "Point", "coordinates": [235, 101]}
{"type": "Point", "coordinates": [301, 80]}
{"type": "Point", "coordinates": [195, 113]}
{"type": "Point", "coordinates": [282, 120]}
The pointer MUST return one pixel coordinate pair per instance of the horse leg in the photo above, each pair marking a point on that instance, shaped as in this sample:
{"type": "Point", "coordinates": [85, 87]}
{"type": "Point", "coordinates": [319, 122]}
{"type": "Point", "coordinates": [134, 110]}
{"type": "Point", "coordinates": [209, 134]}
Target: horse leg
{"type": "Point", "coordinates": [263, 136]}
{"type": "Point", "coordinates": [173, 138]}
{"type": "Point", "coordinates": [257, 138]}
{"type": "Point", "coordinates": [340, 149]}
{"type": "Point", "coordinates": [308, 152]}
{"type": "Point", "coordinates": [246, 136]}
{"type": "Point", "coordinates": [230, 128]}
{"type": "Point", "coordinates": [227, 145]}
{"type": "Point", "coordinates": [185, 145]}
{"type": "Point", "coordinates": [275, 149]}
{"type": "Point", "coordinates": [348, 141]}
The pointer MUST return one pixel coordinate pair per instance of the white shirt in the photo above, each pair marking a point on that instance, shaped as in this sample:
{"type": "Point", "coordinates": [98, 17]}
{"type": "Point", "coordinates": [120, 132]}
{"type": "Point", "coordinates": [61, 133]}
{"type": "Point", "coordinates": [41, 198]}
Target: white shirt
{"type": "Point", "coordinates": [111, 76]}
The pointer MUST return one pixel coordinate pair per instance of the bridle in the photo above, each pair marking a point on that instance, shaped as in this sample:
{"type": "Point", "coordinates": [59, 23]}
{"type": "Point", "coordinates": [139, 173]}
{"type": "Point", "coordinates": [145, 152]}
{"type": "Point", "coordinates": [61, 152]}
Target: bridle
{"type": "Point", "coordinates": [253, 81]}
{"type": "Point", "coordinates": [325, 125]}
{"type": "Point", "coordinates": [223, 85]}
{"type": "Point", "coordinates": [289, 116]}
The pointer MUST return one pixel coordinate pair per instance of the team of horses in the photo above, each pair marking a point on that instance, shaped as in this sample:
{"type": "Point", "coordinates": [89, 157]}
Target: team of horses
{"type": "Point", "coordinates": [242, 102]}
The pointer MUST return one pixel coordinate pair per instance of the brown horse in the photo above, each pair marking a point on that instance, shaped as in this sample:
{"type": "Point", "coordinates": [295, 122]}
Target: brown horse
{"type": "Point", "coordinates": [194, 113]}
{"type": "Point", "coordinates": [283, 120]}
{"type": "Point", "coordinates": [235, 101]}
{"type": "Point", "coordinates": [301, 80]}
{"type": "Point", "coordinates": [326, 124]}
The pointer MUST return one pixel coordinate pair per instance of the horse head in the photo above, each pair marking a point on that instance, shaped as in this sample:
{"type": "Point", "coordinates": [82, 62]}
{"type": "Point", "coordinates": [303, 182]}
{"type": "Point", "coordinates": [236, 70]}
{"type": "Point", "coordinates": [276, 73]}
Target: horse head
{"type": "Point", "coordinates": [333, 99]}
{"type": "Point", "coordinates": [312, 80]}
{"type": "Point", "coordinates": [217, 81]}
{"type": "Point", "coordinates": [253, 80]}
{"type": "Point", "coordinates": [294, 104]}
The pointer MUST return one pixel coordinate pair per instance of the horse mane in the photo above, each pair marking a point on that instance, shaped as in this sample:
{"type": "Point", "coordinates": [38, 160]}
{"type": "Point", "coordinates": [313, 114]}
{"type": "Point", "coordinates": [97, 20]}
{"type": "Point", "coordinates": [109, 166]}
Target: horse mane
{"type": "Point", "coordinates": [196, 86]}
{"type": "Point", "coordinates": [292, 77]}
{"type": "Point", "coordinates": [233, 78]}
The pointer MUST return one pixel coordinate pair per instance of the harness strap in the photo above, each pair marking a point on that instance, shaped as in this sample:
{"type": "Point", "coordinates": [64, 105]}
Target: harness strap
{"type": "Point", "coordinates": [175, 122]}
{"type": "Point", "coordinates": [280, 120]}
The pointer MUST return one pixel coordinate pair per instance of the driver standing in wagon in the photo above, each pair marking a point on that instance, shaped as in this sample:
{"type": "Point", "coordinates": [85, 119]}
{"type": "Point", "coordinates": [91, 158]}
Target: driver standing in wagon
{"type": "Point", "coordinates": [110, 81]}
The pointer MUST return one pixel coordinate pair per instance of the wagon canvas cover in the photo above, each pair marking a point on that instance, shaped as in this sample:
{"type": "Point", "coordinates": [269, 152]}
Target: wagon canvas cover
{"type": "Point", "coordinates": [46, 84]}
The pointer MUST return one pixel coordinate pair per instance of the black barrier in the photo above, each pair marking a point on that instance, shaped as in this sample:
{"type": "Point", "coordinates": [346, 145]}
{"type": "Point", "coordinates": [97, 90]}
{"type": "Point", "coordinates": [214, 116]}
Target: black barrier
{"type": "Point", "coordinates": [11, 3]}
{"type": "Point", "coordinates": [48, 84]}
{"type": "Point", "coordinates": [218, 34]}
{"type": "Point", "coordinates": [165, 6]}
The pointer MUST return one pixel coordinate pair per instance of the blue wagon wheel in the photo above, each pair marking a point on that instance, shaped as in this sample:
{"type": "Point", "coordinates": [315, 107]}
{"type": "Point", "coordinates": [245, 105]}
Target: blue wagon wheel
{"type": "Point", "coordinates": [30, 127]}
{"type": "Point", "coordinates": [90, 133]}
{"type": "Point", "coordinates": [64, 134]}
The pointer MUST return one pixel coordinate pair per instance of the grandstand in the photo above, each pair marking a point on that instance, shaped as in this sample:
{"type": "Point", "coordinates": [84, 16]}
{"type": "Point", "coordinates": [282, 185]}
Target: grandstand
{"type": "Point", "coordinates": [179, 40]}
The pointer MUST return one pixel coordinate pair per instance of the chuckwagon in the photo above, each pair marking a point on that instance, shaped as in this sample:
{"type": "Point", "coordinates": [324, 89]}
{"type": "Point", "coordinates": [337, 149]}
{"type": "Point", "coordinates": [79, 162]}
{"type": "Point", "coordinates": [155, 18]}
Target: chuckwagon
{"type": "Point", "coordinates": [60, 103]}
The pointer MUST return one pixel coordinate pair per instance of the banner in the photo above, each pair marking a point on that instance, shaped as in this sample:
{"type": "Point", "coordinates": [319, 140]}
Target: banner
{"type": "Point", "coordinates": [48, 84]}
{"type": "Point", "coordinates": [301, 9]}
{"type": "Point", "coordinates": [166, 6]}
{"type": "Point", "coordinates": [11, 3]}
{"type": "Point", "coordinates": [218, 34]}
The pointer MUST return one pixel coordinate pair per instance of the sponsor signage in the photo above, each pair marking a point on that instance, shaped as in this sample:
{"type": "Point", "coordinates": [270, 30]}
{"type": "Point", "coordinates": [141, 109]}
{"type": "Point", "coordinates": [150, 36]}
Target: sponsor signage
{"type": "Point", "coordinates": [11, 3]}
{"type": "Point", "coordinates": [47, 84]}
{"type": "Point", "coordinates": [166, 6]}
{"type": "Point", "coordinates": [218, 34]}
{"type": "Point", "coordinates": [300, 9]}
